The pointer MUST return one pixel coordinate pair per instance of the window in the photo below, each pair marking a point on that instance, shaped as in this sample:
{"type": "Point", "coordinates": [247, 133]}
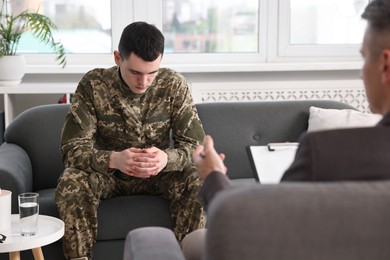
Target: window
{"type": "Point", "coordinates": [211, 27]}
{"type": "Point", "coordinates": [321, 29]}
{"type": "Point", "coordinates": [208, 32]}
{"type": "Point", "coordinates": [84, 26]}
{"type": "Point", "coordinates": [326, 22]}
{"type": "Point", "coordinates": [206, 35]}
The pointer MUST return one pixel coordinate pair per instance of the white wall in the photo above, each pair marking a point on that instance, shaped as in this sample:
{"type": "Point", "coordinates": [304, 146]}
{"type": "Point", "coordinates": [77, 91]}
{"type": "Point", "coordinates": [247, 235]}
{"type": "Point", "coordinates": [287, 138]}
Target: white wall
{"type": "Point", "coordinates": [343, 85]}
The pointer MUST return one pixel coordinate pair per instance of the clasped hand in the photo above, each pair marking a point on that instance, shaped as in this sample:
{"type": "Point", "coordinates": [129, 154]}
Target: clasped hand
{"type": "Point", "coordinates": [137, 162]}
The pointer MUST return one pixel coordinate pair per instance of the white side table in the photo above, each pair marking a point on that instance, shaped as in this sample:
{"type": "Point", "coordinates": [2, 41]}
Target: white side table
{"type": "Point", "coordinates": [50, 229]}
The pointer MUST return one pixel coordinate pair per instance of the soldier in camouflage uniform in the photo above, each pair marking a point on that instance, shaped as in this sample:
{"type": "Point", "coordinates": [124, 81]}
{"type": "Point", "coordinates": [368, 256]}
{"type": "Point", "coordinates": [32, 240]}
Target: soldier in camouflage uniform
{"type": "Point", "coordinates": [115, 141]}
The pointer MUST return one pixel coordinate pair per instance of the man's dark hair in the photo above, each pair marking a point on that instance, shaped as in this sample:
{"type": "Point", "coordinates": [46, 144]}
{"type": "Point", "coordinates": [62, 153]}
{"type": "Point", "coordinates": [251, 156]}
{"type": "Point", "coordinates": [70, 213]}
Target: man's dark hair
{"type": "Point", "coordinates": [142, 39]}
{"type": "Point", "coordinates": [377, 13]}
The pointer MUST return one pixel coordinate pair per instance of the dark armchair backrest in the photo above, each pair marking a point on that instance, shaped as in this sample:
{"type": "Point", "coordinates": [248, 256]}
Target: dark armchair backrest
{"type": "Point", "coordinates": [301, 220]}
{"type": "Point", "coordinates": [235, 125]}
{"type": "Point", "coordinates": [38, 131]}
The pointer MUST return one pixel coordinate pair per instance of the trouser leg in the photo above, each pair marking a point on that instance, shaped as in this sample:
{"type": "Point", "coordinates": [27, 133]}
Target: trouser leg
{"type": "Point", "coordinates": [180, 188]}
{"type": "Point", "coordinates": [77, 196]}
{"type": "Point", "coordinates": [186, 209]}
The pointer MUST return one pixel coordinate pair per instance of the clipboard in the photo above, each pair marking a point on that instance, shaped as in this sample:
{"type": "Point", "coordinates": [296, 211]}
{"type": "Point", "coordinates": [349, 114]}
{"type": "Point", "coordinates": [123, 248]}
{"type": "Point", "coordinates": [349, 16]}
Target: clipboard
{"type": "Point", "coordinates": [269, 162]}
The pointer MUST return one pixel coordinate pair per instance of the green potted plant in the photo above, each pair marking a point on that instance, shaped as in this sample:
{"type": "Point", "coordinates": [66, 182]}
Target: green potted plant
{"type": "Point", "coordinates": [12, 27]}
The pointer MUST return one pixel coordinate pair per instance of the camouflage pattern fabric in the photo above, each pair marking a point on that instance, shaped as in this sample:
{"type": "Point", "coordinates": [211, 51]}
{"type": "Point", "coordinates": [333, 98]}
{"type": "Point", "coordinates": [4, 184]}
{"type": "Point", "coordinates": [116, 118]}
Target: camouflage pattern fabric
{"type": "Point", "coordinates": [106, 116]}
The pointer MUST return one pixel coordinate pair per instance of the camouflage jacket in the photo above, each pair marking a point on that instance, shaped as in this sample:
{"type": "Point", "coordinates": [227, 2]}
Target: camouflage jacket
{"type": "Point", "coordinates": [107, 116]}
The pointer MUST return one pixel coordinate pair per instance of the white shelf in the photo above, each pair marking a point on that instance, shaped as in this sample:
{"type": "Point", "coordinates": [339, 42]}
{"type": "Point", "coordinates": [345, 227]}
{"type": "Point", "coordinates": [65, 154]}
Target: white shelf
{"type": "Point", "coordinates": [10, 92]}
{"type": "Point", "coordinates": [39, 88]}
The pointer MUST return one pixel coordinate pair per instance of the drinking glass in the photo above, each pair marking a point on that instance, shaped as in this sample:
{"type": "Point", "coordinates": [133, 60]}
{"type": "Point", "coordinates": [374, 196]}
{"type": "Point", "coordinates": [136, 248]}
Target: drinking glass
{"type": "Point", "coordinates": [28, 213]}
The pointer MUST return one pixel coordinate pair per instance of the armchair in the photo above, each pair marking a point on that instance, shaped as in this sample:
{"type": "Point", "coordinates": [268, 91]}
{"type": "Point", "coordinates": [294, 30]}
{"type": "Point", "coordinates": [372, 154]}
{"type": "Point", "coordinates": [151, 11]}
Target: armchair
{"type": "Point", "coordinates": [339, 221]}
{"type": "Point", "coordinates": [30, 160]}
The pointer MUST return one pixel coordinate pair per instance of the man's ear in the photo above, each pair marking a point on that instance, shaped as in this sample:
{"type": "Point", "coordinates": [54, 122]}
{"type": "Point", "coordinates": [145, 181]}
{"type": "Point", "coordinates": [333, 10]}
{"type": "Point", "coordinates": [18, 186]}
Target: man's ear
{"type": "Point", "coordinates": [117, 57]}
{"type": "Point", "coordinates": [386, 65]}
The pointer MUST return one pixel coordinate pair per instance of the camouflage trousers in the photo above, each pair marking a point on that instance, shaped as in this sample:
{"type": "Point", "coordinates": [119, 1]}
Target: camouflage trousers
{"type": "Point", "coordinates": [78, 195]}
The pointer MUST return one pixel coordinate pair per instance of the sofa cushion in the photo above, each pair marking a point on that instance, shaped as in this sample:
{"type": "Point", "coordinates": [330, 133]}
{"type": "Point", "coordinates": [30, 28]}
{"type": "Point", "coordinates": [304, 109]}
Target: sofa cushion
{"type": "Point", "coordinates": [324, 119]}
{"type": "Point", "coordinates": [141, 211]}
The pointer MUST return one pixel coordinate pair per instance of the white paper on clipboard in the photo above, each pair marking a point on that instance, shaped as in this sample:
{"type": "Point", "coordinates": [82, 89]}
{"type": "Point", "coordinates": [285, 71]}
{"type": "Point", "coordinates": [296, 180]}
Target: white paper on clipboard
{"type": "Point", "coordinates": [270, 164]}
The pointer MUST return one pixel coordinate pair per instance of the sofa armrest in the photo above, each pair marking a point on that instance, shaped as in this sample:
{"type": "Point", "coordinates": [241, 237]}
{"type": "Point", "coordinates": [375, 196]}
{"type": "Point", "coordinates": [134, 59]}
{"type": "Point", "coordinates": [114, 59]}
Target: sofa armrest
{"type": "Point", "coordinates": [15, 171]}
{"type": "Point", "coordinates": [151, 243]}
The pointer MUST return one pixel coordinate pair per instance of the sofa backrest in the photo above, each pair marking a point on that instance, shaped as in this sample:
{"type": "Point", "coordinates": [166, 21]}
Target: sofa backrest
{"type": "Point", "coordinates": [38, 131]}
{"type": "Point", "coordinates": [236, 125]}
{"type": "Point", "coordinates": [334, 220]}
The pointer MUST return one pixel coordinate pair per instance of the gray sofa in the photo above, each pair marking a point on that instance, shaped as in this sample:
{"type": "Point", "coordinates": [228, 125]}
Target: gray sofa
{"type": "Point", "coordinates": [30, 161]}
{"type": "Point", "coordinates": [316, 221]}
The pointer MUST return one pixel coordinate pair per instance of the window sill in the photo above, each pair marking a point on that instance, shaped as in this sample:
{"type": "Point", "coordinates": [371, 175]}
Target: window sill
{"type": "Point", "coordinates": [210, 68]}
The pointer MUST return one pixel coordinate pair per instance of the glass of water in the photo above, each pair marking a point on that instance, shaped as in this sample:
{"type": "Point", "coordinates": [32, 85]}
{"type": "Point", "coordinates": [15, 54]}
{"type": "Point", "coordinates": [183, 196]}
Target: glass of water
{"type": "Point", "coordinates": [28, 213]}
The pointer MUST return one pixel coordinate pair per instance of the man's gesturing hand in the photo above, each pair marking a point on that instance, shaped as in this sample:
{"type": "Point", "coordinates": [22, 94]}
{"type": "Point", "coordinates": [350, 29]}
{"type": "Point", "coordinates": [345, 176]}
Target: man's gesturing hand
{"type": "Point", "coordinates": [207, 160]}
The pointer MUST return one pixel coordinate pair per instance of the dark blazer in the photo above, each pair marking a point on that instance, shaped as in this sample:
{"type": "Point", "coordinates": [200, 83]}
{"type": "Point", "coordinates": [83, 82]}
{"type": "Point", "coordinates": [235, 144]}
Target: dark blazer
{"type": "Point", "coordinates": [344, 154]}
{"type": "Point", "coordinates": [333, 155]}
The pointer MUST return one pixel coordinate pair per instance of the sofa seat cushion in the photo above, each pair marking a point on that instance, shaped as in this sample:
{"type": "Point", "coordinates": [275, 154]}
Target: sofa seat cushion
{"type": "Point", "coordinates": [115, 219]}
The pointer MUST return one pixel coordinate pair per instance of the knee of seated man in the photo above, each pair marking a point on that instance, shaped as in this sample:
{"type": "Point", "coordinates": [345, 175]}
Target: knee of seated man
{"type": "Point", "coordinates": [187, 178]}
{"type": "Point", "coordinates": [193, 244]}
{"type": "Point", "coordinates": [71, 181]}
{"type": "Point", "coordinates": [191, 177]}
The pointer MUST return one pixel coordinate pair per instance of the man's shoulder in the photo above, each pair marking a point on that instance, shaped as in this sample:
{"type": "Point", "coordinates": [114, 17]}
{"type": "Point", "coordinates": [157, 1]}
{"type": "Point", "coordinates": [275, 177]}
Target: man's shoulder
{"type": "Point", "coordinates": [98, 78]}
{"type": "Point", "coordinates": [98, 73]}
{"type": "Point", "coordinates": [348, 137]}
{"type": "Point", "coordinates": [171, 82]}
{"type": "Point", "coordinates": [169, 71]}
{"type": "Point", "coordinates": [170, 74]}
{"type": "Point", "coordinates": [351, 132]}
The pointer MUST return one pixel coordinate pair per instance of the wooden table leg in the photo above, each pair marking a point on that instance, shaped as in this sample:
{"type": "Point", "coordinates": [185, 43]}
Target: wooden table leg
{"type": "Point", "coordinates": [37, 252]}
{"type": "Point", "coordinates": [14, 255]}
